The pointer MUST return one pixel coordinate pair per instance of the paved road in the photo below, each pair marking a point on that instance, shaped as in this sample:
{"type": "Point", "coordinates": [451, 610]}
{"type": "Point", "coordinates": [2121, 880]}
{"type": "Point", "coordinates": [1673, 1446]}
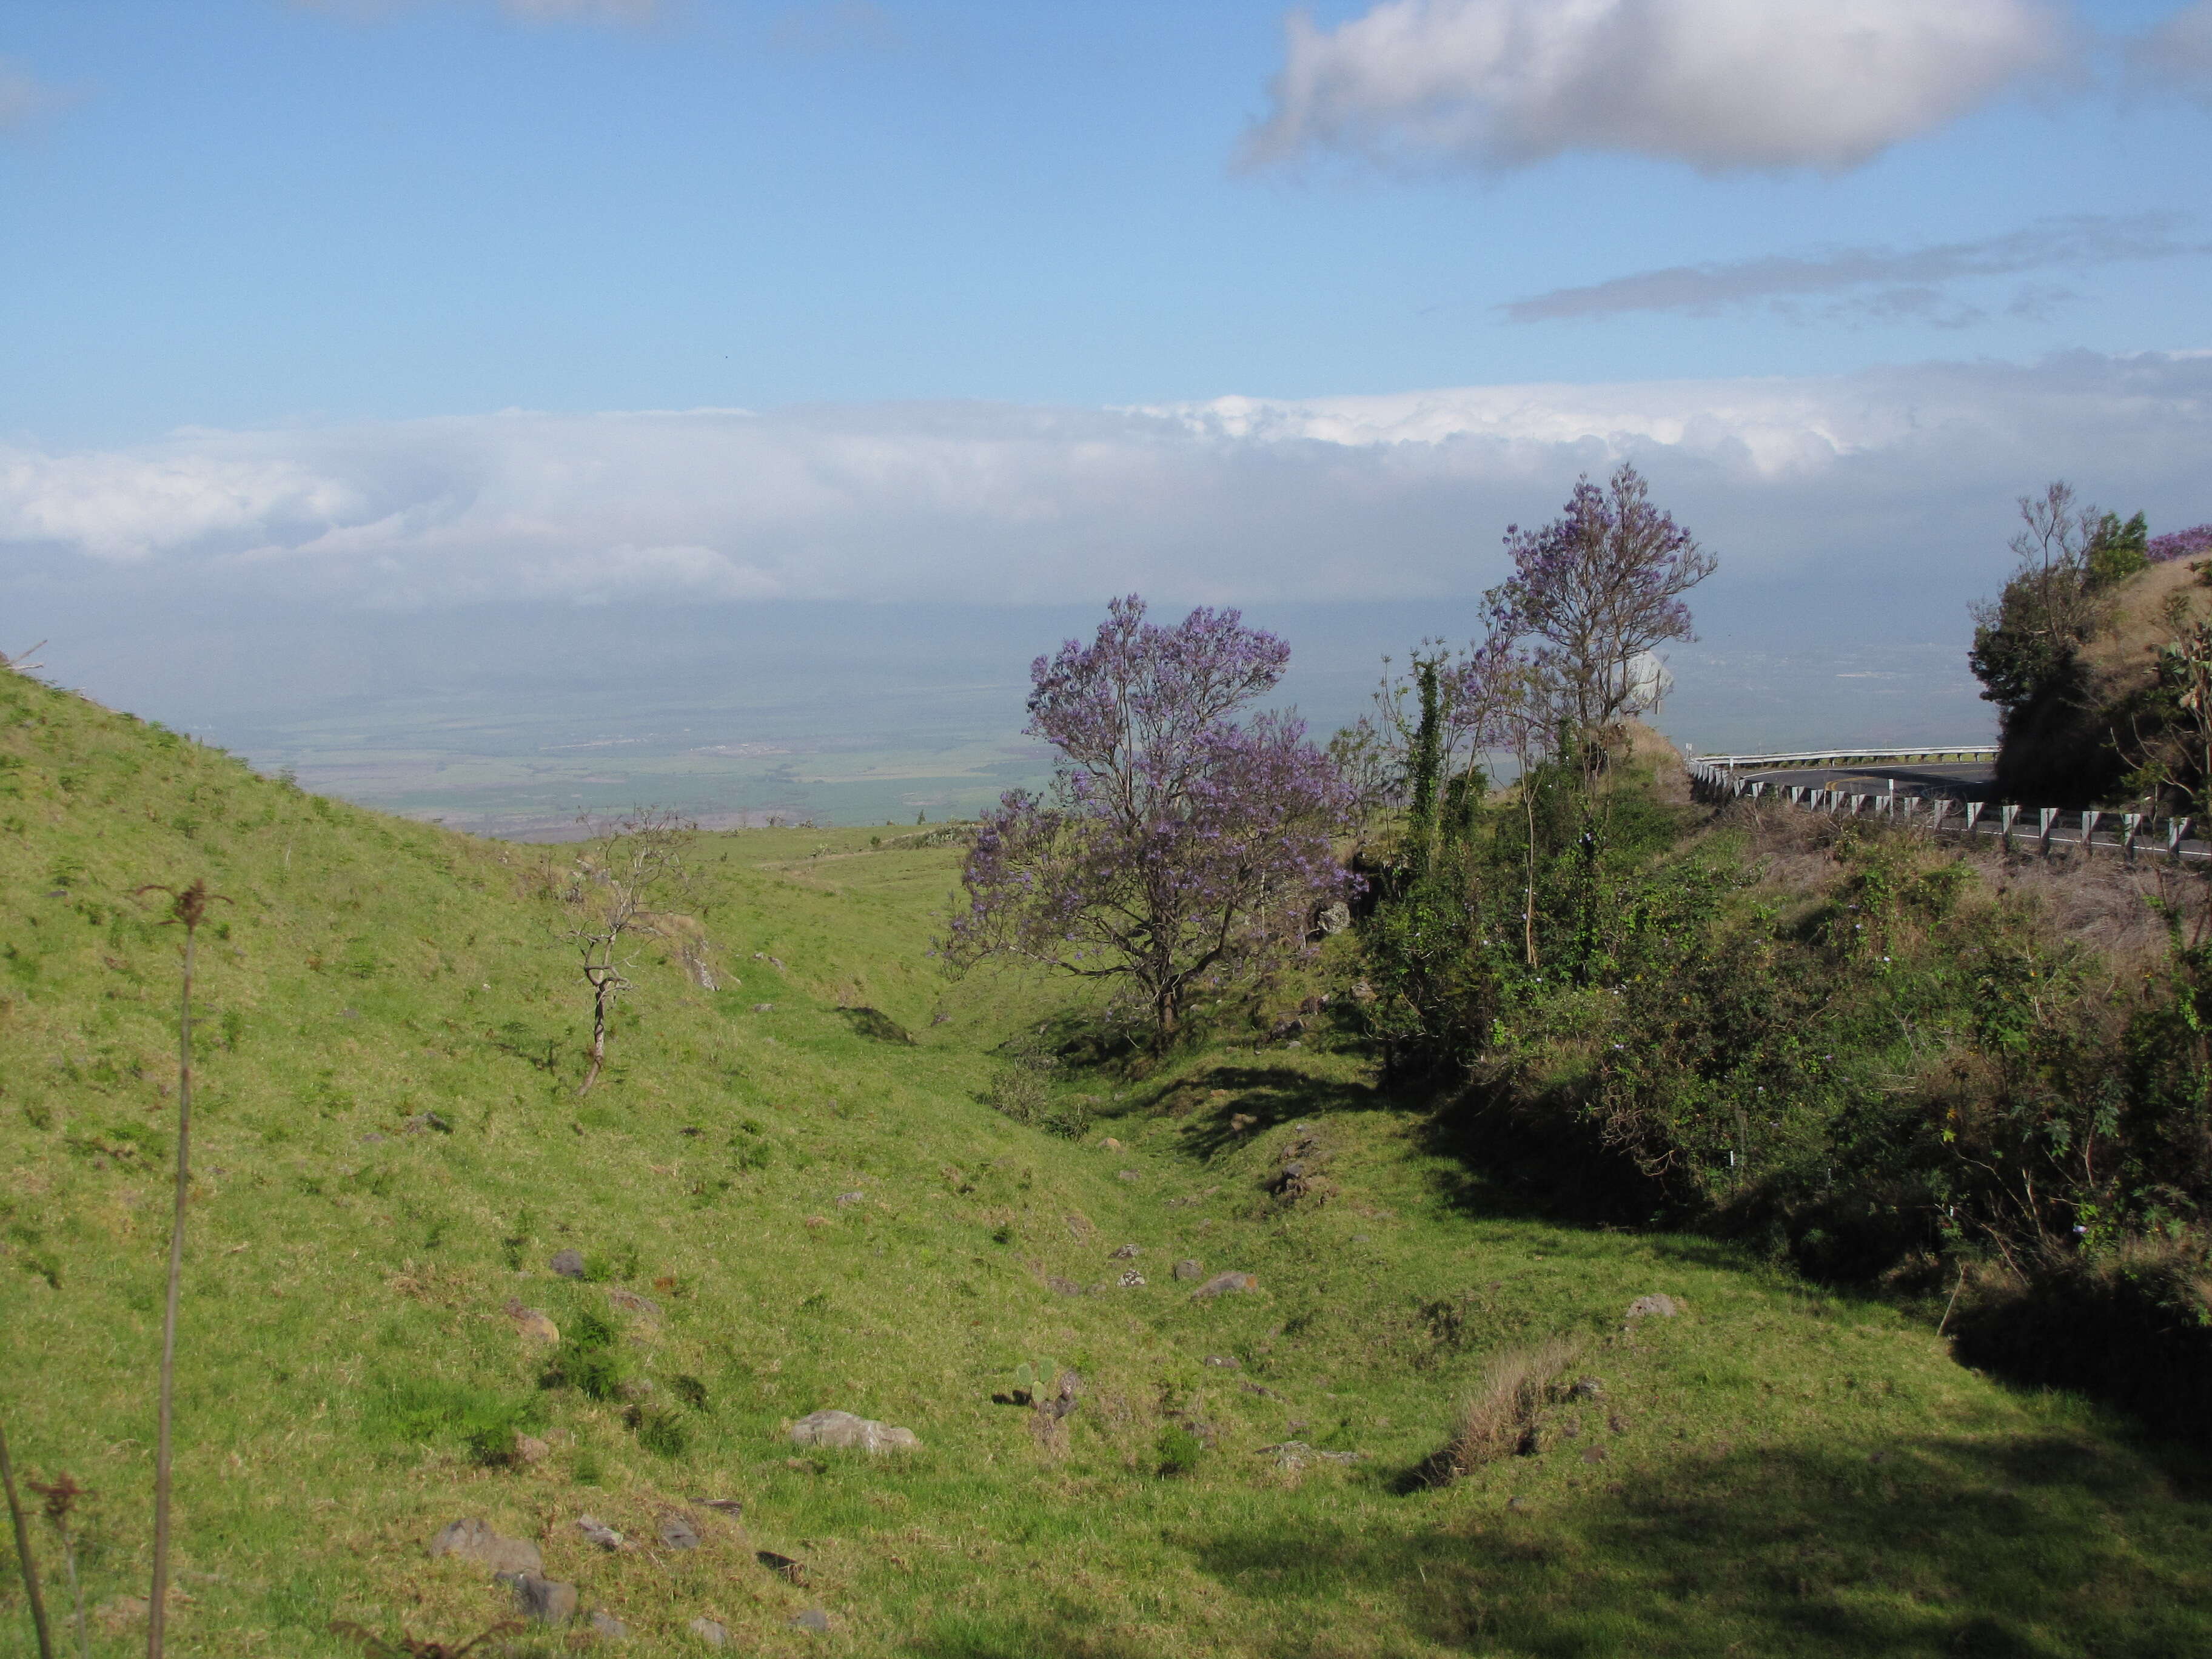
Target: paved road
{"type": "Point", "coordinates": [1960, 780]}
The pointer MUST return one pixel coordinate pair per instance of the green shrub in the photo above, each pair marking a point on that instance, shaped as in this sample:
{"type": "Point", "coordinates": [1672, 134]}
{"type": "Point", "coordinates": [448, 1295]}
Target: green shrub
{"type": "Point", "coordinates": [483, 1421]}
{"type": "Point", "coordinates": [1180, 1450]}
{"type": "Point", "coordinates": [659, 1430]}
{"type": "Point", "coordinates": [590, 1359]}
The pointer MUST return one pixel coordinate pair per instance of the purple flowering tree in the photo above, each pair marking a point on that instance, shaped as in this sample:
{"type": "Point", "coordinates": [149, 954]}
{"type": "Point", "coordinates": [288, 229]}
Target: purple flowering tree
{"type": "Point", "coordinates": [2179, 545]}
{"type": "Point", "coordinates": [1174, 847]}
{"type": "Point", "coordinates": [1593, 594]}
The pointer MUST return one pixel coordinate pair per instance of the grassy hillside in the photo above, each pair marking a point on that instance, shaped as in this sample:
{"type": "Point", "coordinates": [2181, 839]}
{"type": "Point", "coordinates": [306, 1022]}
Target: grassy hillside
{"type": "Point", "coordinates": [786, 1208]}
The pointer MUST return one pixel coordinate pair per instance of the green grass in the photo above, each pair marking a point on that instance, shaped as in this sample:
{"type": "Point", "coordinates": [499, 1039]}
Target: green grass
{"type": "Point", "coordinates": [826, 1216]}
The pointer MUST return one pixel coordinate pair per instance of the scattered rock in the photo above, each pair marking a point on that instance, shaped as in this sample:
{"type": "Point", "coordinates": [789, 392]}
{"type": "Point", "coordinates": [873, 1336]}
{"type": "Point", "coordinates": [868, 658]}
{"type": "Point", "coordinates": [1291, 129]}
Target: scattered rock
{"type": "Point", "coordinates": [1587, 1388]}
{"type": "Point", "coordinates": [1064, 1286]}
{"type": "Point", "coordinates": [1128, 1174]}
{"type": "Point", "coordinates": [473, 1539]}
{"type": "Point", "coordinates": [1189, 1270]}
{"type": "Point", "coordinates": [1264, 1392]}
{"type": "Point", "coordinates": [1131, 1280]}
{"type": "Point", "coordinates": [529, 1448]}
{"type": "Point", "coordinates": [1593, 1454]}
{"type": "Point", "coordinates": [372, 1139]}
{"type": "Point", "coordinates": [542, 1600]}
{"type": "Point", "coordinates": [635, 1389]}
{"type": "Point", "coordinates": [846, 1201]}
{"type": "Point", "coordinates": [817, 1221]}
{"type": "Point", "coordinates": [1654, 1307]}
{"type": "Point", "coordinates": [1296, 1455]}
{"type": "Point", "coordinates": [691, 1132]}
{"type": "Point", "coordinates": [1619, 1425]}
{"type": "Point", "coordinates": [1126, 1253]}
{"type": "Point", "coordinates": [837, 1428]}
{"type": "Point", "coordinates": [711, 1631]}
{"type": "Point", "coordinates": [1517, 1503]}
{"type": "Point", "coordinates": [631, 1302]}
{"type": "Point", "coordinates": [1224, 1284]}
{"type": "Point", "coordinates": [607, 1627]}
{"type": "Point", "coordinates": [1078, 1226]}
{"type": "Point", "coordinates": [599, 1532]}
{"type": "Point", "coordinates": [677, 1533]}
{"type": "Point", "coordinates": [423, 1122]}
{"type": "Point", "coordinates": [531, 1323]}
{"type": "Point", "coordinates": [813, 1618]}
{"type": "Point", "coordinates": [570, 1264]}
{"type": "Point", "coordinates": [729, 1506]}
{"type": "Point", "coordinates": [760, 1008]}
{"type": "Point", "coordinates": [1335, 919]}
{"type": "Point", "coordinates": [783, 1566]}
{"type": "Point", "coordinates": [1227, 1362]}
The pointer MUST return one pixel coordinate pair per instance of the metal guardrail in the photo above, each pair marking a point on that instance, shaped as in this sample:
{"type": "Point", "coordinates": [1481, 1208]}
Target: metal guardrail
{"type": "Point", "coordinates": [1846, 757]}
{"type": "Point", "coordinates": [2129, 832]}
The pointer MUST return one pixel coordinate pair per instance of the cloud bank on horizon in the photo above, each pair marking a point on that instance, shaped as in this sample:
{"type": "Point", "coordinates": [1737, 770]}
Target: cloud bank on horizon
{"type": "Point", "coordinates": [1898, 478]}
{"type": "Point", "coordinates": [1724, 85]}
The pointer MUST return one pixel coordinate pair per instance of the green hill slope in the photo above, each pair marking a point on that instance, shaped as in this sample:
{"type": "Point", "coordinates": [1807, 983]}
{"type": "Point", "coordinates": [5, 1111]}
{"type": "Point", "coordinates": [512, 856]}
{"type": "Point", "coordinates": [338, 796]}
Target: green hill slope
{"type": "Point", "coordinates": [789, 1208]}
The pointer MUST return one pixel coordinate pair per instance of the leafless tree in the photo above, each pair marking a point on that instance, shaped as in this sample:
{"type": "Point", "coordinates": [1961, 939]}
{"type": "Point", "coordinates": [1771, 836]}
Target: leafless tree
{"type": "Point", "coordinates": [629, 887]}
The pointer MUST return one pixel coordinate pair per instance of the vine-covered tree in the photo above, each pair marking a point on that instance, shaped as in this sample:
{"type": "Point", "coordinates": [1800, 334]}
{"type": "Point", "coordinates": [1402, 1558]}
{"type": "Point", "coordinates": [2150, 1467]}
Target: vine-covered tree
{"type": "Point", "coordinates": [1174, 847]}
{"type": "Point", "coordinates": [2026, 640]}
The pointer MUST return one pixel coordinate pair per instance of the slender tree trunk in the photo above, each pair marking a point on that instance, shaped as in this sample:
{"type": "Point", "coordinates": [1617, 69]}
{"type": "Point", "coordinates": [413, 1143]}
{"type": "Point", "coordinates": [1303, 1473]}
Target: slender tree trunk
{"type": "Point", "coordinates": [157, 1609]}
{"type": "Point", "coordinates": [23, 1552]}
{"type": "Point", "coordinates": [598, 1035]}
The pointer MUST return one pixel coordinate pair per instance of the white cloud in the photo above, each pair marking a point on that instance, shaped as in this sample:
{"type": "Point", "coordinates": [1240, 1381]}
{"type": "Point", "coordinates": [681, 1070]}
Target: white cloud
{"type": "Point", "coordinates": [1721, 84]}
{"type": "Point", "coordinates": [25, 99]}
{"type": "Point", "coordinates": [1886, 474]}
{"type": "Point", "coordinates": [2177, 53]}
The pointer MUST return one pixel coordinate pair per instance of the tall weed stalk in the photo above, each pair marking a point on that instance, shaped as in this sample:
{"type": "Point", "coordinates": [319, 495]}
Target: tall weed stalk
{"type": "Point", "coordinates": [23, 1552]}
{"type": "Point", "coordinates": [187, 909]}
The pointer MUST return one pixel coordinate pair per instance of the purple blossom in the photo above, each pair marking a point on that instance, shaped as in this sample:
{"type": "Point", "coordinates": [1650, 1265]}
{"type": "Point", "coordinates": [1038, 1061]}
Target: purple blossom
{"type": "Point", "coordinates": [1172, 843]}
{"type": "Point", "coordinates": [2179, 545]}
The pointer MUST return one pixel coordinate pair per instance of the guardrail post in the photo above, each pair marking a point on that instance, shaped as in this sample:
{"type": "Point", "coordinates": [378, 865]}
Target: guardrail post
{"type": "Point", "coordinates": [2175, 829]}
{"type": "Point", "coordinates": [1942, 807]}
{"type": "Point", "coordinates": [1973, 815]}
{"type": "Point", "coordinates": [2006, 814]}
{"type": "Point", "coordinates": [2049, 816]}
{"type": "Point", "coordinates": [2129, 821]}
{"type": "Point", "coordinates": [2089, 832]}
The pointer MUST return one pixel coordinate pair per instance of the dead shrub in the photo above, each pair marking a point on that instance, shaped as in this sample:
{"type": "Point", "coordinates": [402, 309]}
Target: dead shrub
{"type": "Point", "coordinates": [1500, 1417]}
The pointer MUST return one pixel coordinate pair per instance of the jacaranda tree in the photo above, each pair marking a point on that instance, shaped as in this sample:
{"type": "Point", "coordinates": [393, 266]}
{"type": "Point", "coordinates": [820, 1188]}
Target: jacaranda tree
{"type": "Point", "coordinates": [1176, 850]}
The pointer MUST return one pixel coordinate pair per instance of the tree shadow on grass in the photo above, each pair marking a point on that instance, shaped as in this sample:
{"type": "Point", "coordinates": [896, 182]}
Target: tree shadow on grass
{"type": "Point", "coordinates": [1939, 1546]}
{"type": "Point", "coordinates": [1267, 1095]}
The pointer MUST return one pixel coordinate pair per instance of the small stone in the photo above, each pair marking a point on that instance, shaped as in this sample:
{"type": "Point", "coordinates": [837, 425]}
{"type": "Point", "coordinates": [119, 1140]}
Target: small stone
{"type": "Point", "coordinates": [763, 1007]}
{"type": "Point", "coordinates": [817, 1221]}
{"type": "Point", "coordinates": [710, 1631]}
{"type": "Point", "coordinates": [1110, 1144]}
{"type": "Point", "coordinates": [785, 1567]}
{"type": "Point", "coordinates": [631, 1302]}
{"type": "Point", "coordinates": [372, 1139]}
{"type": "Point", "coordinates": [813, 1618]}
{"type": "Point", "coordinates": [1587, 1388]}
{"type": "Point", "coordinates": [1654, 1306]}
{"type": "Point", "coordinates": [729, 1506]}
{"type": "Point", "coordinates": [1225, 1284]}
{"type": "Point", "coordinates": [1264, 1392]}
{"type": "Point", "coordinates": [606, 1626]}
{"type": "Point", "coordinates": [1064, 1286]}
{"type": "Point", "coordinates": [837, 1428]}
{"type": "Point", "coordinates": [1618, 1425]}
{"type": "Point", "coordinates": [1126, 1253]}
{"type": "Point", "coordinates": [1593, 1454]}
{"type": "Point", "coordinates": [599, 1532]}
{"type": "Point", "coordinates": [570, 1264]}
{"type": "Point", "coordinates": [542, 1600]}
{"type": "Point", "coordinates": [1128, 1174]}
{"type": "Point", "coordinates": [424, 1121]}
{"type": "Point", "coordinates": [529, 1448]}
{"type": "Point", "coordinates": [1131, 1280]}
{"type": "Point", "coordinates": [846, 1201]}
{"type": "Point", "coordinates": [677, 1533]}
{"type": "Point", "coordinates": [1516, 1503]}
{"type": "Point", "coordinates": [529, 1322]}
{"type": "Point", "coordinates": [473, 1539]}
{"type": "Point", "coordinates": [1189, 1270]}
{"type": "Point", "coordinates": [1227, 1362]}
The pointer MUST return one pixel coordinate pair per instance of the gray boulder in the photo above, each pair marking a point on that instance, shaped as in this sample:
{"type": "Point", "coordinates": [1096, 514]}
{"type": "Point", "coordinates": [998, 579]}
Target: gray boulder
{"type": "Point", "coordinates": [835, 1428]}
{"type": "Point", "coordinates": [541, 1601]}
{"type": "Point", "coordinates": [1227, 1284]}
{"type": "Point", "coordinates": [1654, 1307]}
{"type": "Point", "coordinates": [473, 1539]}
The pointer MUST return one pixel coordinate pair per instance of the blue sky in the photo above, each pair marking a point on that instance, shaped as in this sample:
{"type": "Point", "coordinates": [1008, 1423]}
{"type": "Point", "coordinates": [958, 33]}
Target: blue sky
{"type": "Point", "coordinates": [366, 305]}
{"type": "Point", "coordinates": [247, 212]}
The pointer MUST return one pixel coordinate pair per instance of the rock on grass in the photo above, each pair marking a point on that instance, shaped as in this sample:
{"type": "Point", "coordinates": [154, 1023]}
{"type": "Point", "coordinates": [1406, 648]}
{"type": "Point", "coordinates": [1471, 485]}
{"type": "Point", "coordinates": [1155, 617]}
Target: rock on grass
{"type": "Point", "coordinates": [473, 1539]}
{"type": "Point", "coordinates": [835, 1428]}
